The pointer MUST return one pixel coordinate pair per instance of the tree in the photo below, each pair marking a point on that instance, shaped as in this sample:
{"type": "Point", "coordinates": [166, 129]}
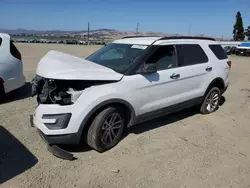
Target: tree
{"type": "Point", "coordinates": [247, 32]}
{"type": "Point", "coordinates": [238, 28]}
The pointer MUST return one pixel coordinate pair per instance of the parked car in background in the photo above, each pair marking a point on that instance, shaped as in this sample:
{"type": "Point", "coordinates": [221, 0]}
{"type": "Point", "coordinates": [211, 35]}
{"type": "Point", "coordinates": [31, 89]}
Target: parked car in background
{"type": "Point", "coordinates": [230, 50]}
{"type": "Point", "coordinates": [243, 49]}
{"type": "Point", "coordinates": [126, 82]}
{"type": "Point", "coordinates": [11, 66]}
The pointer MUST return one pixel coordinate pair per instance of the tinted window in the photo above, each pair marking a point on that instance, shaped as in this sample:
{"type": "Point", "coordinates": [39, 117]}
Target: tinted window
{"type": "Point", "coordinates": [117, 56]}
{"type": "Point", "coordinates": [0, 41]}
{"type": "Point", "coordinates": [14, 51]}
{"type": "Point", "coordinates": [165, 57]}
{"type": "Point", "coordinates": [193, 54]}
{"type": "Point", "coordinates": [218, 51]}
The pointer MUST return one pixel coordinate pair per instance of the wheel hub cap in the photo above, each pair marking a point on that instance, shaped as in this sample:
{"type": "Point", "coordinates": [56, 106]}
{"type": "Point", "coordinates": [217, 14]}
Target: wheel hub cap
{"type": "Point", "coordinates": [111, 128]}
{"type": "Point", "coordinates": [212, 101]}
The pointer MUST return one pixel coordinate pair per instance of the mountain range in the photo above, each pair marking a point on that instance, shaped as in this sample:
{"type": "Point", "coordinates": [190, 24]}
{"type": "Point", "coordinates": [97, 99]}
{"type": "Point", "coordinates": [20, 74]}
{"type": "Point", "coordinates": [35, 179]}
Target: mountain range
{"type": "Point", "coordinates": [98, 32]}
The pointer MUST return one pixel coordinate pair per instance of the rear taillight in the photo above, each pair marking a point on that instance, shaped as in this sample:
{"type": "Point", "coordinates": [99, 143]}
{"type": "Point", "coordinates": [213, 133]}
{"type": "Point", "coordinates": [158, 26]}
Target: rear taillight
{"type": "Point", "coordinates": [229, 63]}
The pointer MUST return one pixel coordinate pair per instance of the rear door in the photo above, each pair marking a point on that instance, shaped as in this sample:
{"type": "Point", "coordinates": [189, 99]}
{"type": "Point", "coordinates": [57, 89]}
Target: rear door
{"type": "Point", "coordinates": [194, 69]}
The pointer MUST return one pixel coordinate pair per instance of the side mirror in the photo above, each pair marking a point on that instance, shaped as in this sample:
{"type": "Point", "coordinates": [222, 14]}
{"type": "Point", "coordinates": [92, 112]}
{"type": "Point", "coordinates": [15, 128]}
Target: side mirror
{"type": "Point", "coordinates": [148, 69]}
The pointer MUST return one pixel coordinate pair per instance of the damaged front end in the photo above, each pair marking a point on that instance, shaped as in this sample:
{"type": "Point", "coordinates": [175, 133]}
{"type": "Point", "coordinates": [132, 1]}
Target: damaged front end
{"type": "Point", "coordinates": [62, 92]}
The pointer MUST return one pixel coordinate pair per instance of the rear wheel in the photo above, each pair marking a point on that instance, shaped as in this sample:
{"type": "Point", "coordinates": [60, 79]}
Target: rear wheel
{"type": "Point", "coordinates": [211, 101]}
{"type": "Point", "coordinates": [106, 129]}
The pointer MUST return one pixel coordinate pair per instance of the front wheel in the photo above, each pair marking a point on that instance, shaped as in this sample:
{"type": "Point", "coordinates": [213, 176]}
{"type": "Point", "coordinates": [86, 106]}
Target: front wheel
{"type": "Point", "coordinates": [106, 129]}
{"type": "Point", "coordinates": [211, 101]}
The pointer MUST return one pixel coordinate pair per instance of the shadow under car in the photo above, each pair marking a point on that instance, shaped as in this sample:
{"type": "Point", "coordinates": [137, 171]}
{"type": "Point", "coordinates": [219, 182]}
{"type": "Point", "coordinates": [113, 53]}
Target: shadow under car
{"type": "Point", "coordinates": [15, 158]}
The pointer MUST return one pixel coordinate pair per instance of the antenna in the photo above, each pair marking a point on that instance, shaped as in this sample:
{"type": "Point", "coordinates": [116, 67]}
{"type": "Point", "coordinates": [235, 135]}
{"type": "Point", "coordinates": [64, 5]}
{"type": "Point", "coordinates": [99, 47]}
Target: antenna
{"type": "Point", "coordinates": [137, 29]}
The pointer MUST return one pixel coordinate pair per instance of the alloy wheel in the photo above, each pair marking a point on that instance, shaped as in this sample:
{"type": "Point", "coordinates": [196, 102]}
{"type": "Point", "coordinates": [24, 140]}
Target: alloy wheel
{"type": "Point", "coordinates": [111, 128]}
{"type": "Point", "coordinates": [212, 101]}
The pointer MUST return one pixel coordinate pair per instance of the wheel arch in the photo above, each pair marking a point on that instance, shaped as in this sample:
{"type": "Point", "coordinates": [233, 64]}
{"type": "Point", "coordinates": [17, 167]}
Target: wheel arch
{"type": "Point", "coordinates": [129, 111]}
{"type": "Point", "coordinates": [217, 82]}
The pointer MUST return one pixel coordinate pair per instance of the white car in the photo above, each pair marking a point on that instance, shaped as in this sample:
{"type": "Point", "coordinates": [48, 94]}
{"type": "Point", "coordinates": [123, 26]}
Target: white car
{"type": "Point", "coordinates": [126, 82]}
{"type": "Point", "coordinates": [11, 66]}
{"type": "Point", "coordinates": [243, 49]}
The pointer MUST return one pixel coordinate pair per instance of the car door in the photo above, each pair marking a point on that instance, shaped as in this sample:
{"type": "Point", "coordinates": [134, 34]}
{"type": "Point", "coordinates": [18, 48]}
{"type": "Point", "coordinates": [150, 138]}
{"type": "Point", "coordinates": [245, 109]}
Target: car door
{"type": "Point", "coordinates": [194, 68]}
{"type": "Point", "coordinates": [157, 91]}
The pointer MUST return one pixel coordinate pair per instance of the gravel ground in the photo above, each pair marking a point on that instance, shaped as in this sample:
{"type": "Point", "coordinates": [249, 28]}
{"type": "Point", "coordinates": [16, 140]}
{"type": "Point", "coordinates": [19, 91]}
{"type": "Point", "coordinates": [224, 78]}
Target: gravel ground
{"type": "Point", "coordinates": [185, 149]}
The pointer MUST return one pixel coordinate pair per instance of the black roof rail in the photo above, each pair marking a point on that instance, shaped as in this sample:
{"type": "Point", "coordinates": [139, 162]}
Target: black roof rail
{"type": "Point", "coordinates": [187, 37]}
{"type": "Point", "coordinates": [127, 37]}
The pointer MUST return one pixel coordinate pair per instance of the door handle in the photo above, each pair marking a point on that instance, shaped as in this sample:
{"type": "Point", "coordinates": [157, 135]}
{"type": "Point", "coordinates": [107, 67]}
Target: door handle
{"type": "Point", "coordinates": [208, 69]}
{"type": "Point", "coordinates": [175, 76]}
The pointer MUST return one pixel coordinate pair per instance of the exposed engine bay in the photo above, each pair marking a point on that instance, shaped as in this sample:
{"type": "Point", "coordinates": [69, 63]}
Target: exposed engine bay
{"type": "Point", "coordinates": [63, 92]}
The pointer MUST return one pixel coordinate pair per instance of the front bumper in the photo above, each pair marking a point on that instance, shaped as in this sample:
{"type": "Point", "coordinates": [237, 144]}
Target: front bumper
{"type": "Point", "coordinates": [53, 140]}
{"type": "Point", "coordinates": [63, 139]}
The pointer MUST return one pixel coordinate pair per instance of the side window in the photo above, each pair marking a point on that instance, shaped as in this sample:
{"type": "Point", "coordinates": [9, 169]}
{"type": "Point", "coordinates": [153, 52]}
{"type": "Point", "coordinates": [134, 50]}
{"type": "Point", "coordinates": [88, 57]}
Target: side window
{"type": "Point", "coordinates": [113, 54]}
{"type": "Point", "coordinates": [0, 41]}
{"type": "Point", "coordinates": [218, 51]}
{"type": "Point", "coordinates": [165, 57]}
{"type": "Point", "coordinates": [192, 54]}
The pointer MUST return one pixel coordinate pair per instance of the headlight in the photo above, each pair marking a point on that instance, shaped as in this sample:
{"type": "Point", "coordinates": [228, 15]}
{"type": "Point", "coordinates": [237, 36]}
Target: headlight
{"type": "Point", "coordinates": [74, 94]}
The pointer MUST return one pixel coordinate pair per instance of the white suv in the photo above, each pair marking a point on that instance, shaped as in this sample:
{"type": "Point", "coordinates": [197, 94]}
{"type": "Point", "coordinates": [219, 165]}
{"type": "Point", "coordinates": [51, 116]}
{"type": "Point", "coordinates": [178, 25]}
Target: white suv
{"type": "Point", "coordinates": [126, 82]}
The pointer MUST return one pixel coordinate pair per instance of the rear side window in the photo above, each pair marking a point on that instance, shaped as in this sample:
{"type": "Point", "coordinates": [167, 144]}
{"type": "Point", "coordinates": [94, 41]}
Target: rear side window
{"type": "Point", "coordinates": [218, 51]}
{"type": "Point", "coordinates": [192, 54]}
{"type": "Point", "coordinates": [0, 41]}
{"type": "Point", "coordinates": [14, 51]}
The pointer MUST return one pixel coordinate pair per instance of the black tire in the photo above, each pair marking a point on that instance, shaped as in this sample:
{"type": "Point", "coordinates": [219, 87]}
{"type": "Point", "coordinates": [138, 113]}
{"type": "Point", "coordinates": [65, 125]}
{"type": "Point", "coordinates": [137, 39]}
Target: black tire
{"type": "Point", "coordinates": [208, 98]}
{"type": "Point", "coordinates": [95, 135]}
{"type": "Point", "coordinates": [2, 93]}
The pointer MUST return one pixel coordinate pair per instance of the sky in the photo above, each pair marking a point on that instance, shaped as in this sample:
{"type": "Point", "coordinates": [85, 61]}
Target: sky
{"type": "Point", "coordinates": [208, 17]}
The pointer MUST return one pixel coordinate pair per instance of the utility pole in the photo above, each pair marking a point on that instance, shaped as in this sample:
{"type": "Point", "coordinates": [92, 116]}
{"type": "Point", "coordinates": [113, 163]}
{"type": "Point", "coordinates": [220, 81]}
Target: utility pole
{"type": "Point", "coordinates": [189, 28]}
{"type": "Point", "coordinates": [137, 29]}
{"type": "Point", "coordinates": [88, 32]}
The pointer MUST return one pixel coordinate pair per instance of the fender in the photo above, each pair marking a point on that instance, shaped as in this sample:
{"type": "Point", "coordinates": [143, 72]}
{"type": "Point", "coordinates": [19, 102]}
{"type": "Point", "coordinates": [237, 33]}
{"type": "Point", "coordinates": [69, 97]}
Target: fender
{"type": "Point", "coordinates": [216, 81]}
{"type": "Point", "coordinates": [104, 103]}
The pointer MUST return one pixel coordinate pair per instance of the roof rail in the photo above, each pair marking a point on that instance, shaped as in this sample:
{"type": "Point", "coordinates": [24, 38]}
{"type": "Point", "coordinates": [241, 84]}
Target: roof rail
{"type": "Point", "coordinates": [127, 37]}
{"type": "Point", "coordinates": [187, 37]}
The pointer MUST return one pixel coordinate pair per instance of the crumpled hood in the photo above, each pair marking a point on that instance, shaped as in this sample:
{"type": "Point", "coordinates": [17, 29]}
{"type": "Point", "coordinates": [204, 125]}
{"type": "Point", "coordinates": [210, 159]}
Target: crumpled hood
{"type": "Point", "coordinates": [63, 66]}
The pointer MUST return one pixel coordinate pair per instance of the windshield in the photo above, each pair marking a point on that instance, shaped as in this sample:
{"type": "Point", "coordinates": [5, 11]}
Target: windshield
{"type": "Point", "coordinates": [117, 56]}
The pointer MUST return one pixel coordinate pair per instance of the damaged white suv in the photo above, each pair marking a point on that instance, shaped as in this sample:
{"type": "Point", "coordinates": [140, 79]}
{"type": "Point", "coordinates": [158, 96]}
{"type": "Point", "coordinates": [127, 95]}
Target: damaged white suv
{"type": "Point", "coordinates": [126, 82]}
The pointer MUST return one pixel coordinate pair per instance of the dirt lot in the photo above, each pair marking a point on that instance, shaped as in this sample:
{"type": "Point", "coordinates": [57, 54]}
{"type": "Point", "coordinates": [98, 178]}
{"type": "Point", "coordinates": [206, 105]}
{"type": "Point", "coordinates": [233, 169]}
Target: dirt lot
{"type": "Point", "coordinates": [181, 150]}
